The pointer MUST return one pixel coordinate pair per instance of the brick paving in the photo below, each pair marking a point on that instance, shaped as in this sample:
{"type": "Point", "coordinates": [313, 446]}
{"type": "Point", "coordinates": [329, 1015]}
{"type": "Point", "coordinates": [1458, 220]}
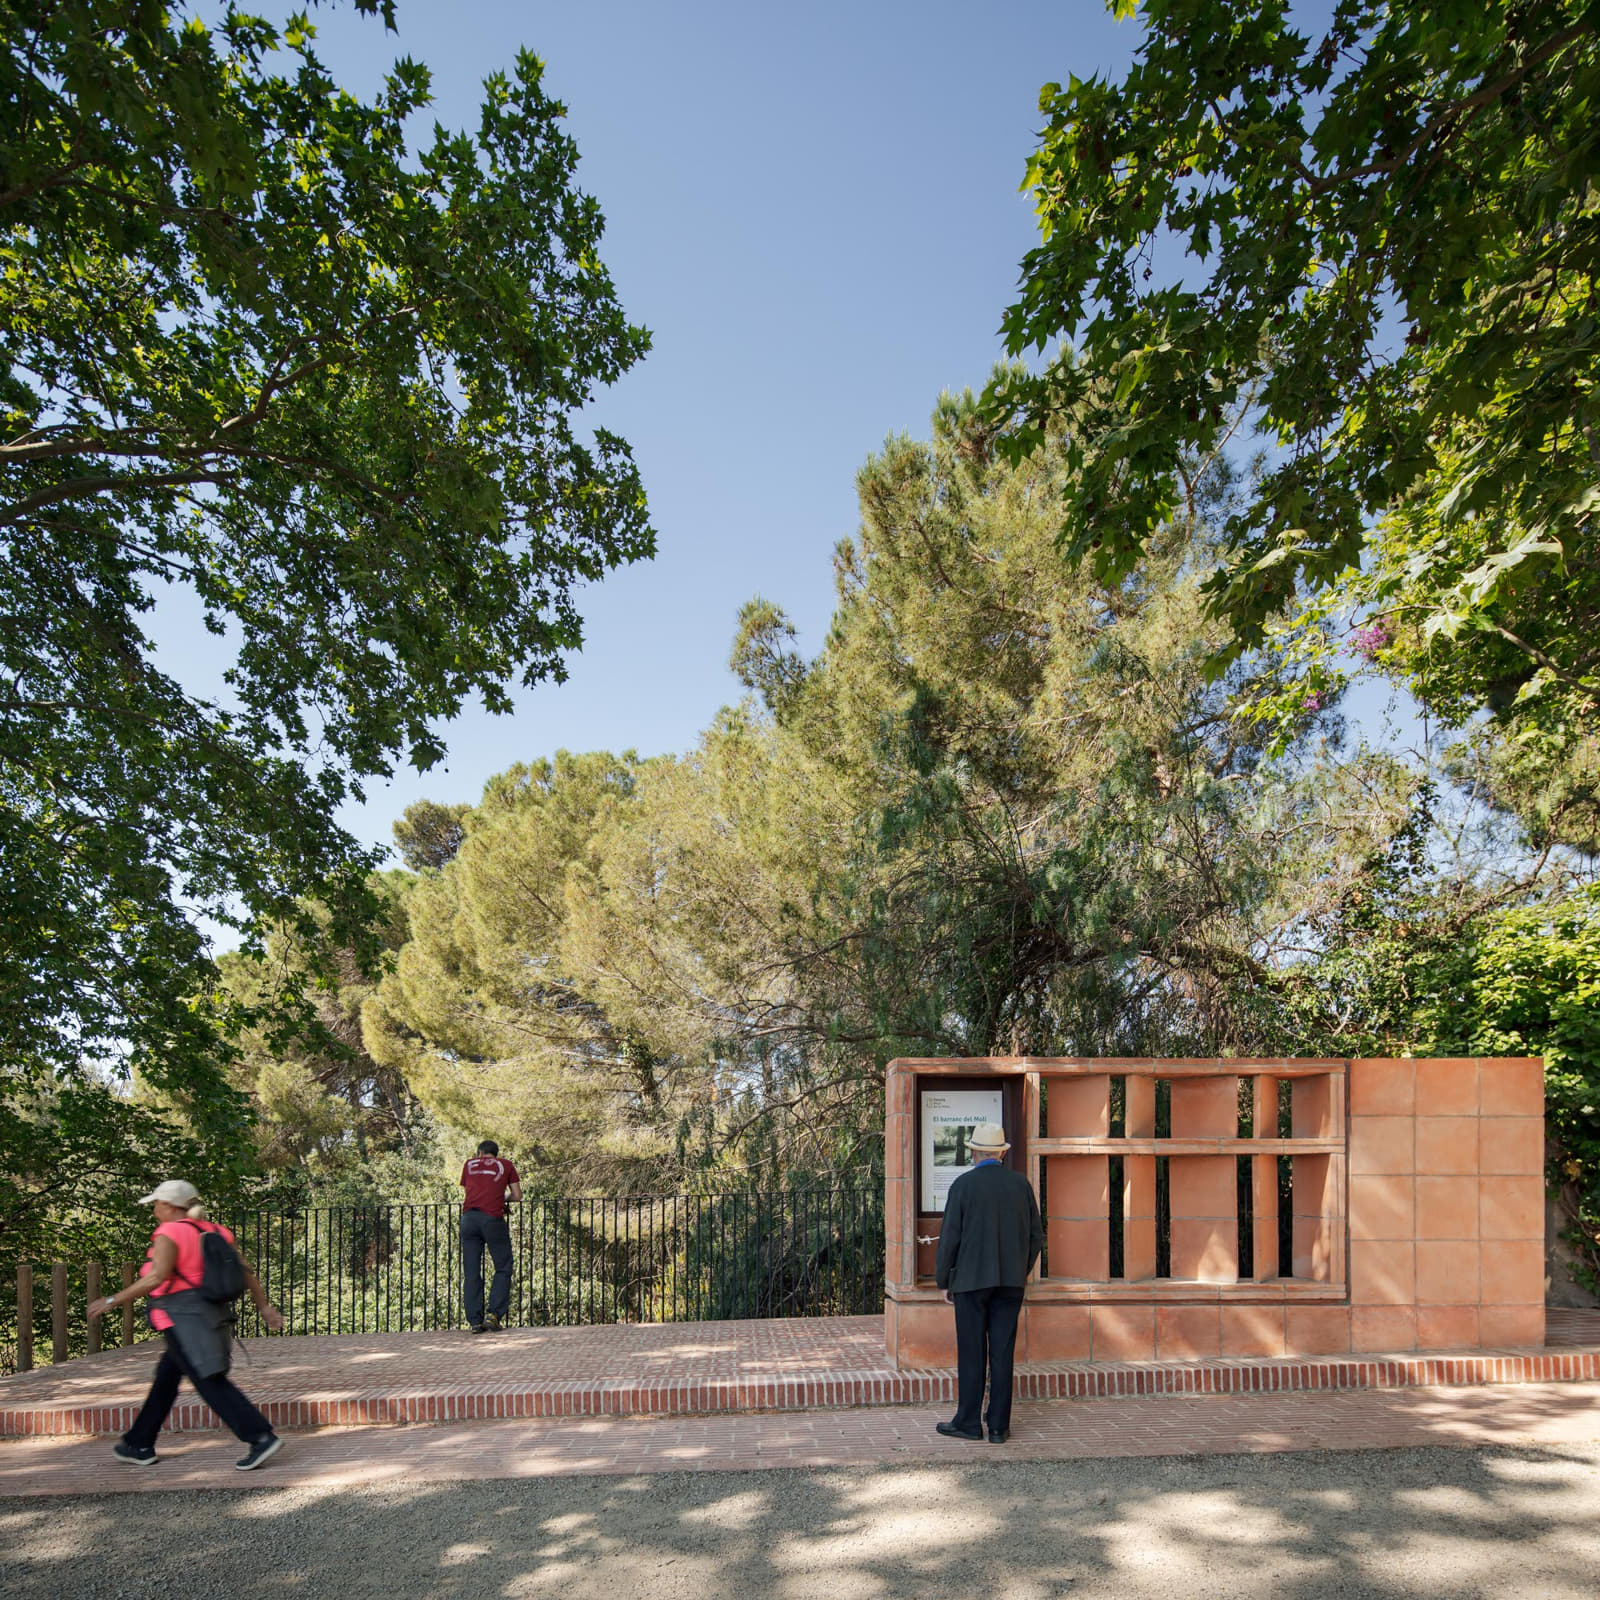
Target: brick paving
{"type": "Point", "coordinates": [1546, 1416]}
{"type": "Point", "coordinates": [684, 1369]}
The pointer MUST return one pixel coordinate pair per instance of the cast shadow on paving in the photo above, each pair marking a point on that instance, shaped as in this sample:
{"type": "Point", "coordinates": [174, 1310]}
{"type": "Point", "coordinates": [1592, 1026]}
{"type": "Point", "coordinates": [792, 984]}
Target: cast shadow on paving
{"type": "Point", "coordinates": [1492, 1522]}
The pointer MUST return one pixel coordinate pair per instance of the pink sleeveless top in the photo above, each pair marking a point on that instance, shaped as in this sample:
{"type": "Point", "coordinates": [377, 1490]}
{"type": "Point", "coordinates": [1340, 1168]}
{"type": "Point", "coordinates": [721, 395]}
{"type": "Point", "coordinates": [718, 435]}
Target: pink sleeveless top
{"type": "Point", "coordinates": [186, 1272]}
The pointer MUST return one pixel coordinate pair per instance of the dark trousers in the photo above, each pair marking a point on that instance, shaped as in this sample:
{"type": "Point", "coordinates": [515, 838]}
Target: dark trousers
{"type": "Point", "coordinates": [986, 1337]}
{"type": "Point", "coordinates": [218, 1392]}
{"type": "Point", "coordinates": [478, 1229]}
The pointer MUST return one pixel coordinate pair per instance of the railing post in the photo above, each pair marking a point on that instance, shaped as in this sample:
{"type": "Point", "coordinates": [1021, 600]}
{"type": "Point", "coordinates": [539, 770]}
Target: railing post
{"type": "Point", "coordinates": [24, 1317]}
{"type": "Point", "coordinates": [92, 1290]}
{"type": "Point", "coordinates": [58, 1313]}
{"type": "Point", "coordinates": [127, 1310]}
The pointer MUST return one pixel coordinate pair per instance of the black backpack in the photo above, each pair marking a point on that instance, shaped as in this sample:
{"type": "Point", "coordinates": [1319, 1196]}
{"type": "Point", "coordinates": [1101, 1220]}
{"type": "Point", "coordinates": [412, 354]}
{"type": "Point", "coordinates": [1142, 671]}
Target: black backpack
{"type": "Point", "coordinates": [221, 1270]}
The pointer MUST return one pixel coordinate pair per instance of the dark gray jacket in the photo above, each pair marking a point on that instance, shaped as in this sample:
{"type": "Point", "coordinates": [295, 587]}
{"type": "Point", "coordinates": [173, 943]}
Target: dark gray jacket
{"type": "Point", "coordinates": [991, 1235]}
{"type": "Point", "coordinates": [203, 1329]}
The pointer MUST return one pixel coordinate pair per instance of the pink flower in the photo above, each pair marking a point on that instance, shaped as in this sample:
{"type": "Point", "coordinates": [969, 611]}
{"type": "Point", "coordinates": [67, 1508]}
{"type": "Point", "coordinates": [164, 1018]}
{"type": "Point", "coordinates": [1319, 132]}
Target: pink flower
{"type": "Point", "coordinates": [1368, 641]}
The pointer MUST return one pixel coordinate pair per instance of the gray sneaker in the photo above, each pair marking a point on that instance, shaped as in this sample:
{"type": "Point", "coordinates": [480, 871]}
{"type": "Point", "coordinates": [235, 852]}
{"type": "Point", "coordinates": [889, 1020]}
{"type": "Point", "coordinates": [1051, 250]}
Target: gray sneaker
{"type": "Point", "coordinates": [261, 1452]}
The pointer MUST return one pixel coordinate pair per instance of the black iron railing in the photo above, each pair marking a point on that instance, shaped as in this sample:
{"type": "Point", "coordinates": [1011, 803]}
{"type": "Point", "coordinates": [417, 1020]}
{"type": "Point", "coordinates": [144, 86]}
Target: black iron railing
{"type": "Point", "coordinates": [679, 1258]}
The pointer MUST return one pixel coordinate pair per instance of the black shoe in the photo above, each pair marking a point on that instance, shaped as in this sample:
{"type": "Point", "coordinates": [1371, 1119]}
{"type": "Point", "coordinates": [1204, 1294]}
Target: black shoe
{"type": "Point", "coordinates": [492, 1323]}
{"type": "Point", "coordinates": [951, 1431]}
{"type": "Point", "coordinates": [261, 1452]}
{"type": "Point", "coordinates": [999, 1436]}
{"type": "Point", "coordinates": [135, 1455]}
{"type": "Point", "coordinates": [474, 1327]}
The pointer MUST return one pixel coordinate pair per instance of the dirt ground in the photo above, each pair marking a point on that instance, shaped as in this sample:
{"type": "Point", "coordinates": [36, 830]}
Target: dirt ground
{"type": "Point", "coordinates": [1497, 1522]}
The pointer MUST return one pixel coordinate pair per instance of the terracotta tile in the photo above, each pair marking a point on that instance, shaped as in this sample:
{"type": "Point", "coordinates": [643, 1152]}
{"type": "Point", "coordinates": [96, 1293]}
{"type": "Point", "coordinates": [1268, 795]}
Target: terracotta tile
{"type": "Point", "coordinates": [1382, 1088]}
{"type": "Point", "coordinates": [1264, 1107]}
{"type": "Point", "coordinates": [1447, 1273]}
{"type": "Point", "coordinates": [927, 1336]}
{"type": "Point", "coordinates": [1139, 1111]}
{"type": "Point", "coordinates": [1078, 1186]}
{"type": "Point", "coordinates": [1206, 1249]}
{"type": "Point", "coordinates": [1264, 1202]}
{"type": "Point", "coordinates": [1382, 1144]}
{"type": "Point", "coordinates": [1447, 1145]}
{"type": "Point", "coordinates": [1203, 1186]}
{"type": "Point", "coordinates": [1252, 1330]}
{"type": "Point", "coordinates": [1514, 1145]}
{"type": "Point", "coordinates": [1057, 1333]}
{"type": "Point", "coordinates": [1511, 1273]}
{"type": "Point", "coordinates": [1185, 1332]}
{"type": "Point", "coordinates": [1078, 1107]}
{"type": "Point", "coordinates": [1138, 1186]}
{"type": "Point", "coordinates": [902, 1090]}
{"type": "Point", "coordinates": [1316, 1330]}
{"type": "Point", "coordinates": [1123, 1333]}
{"type": "Point", "coordinates": [1447, 1327]}
{"type": "Point", "coordinates": [1383, 1328]}
{"type": "Point", "coordinates": [1447, 1088]}
{"type": "Point", "coordinates": [1205, 1108]}
{"type": "Point", "coordinates": [1313, 1187]}
{"type": "Point", "coordinates": [1078, 1249]}
{"type": "Point", "coordinates": [899, 1201]}
{"type": "Point", "coordinates": [1516, 1326]}
{"type": "Point", "coordinates": [1511, 1208]}
{"type": "Point", "coordinates": [1511, 1088]}
{"type": "Point", "coordinates": [1383, 1274]}
{"type": "Point", "coordinates": [1311, 1108]}
{"type": "Point", "coordinates": [900, 1263]}
{"type": "Point", "coordinates": [1447, 1208]}
{"type": "Point", "coordinates": [1315, 1249]}
{"type": "Point", "coordinates": [1138, 1248]}
{"type": "Point", "coordinates": [1382, 1207]}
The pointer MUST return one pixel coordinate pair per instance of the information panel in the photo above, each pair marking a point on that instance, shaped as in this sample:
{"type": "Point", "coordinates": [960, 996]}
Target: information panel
{"type": "Point", "coordinates": [948, 1118]}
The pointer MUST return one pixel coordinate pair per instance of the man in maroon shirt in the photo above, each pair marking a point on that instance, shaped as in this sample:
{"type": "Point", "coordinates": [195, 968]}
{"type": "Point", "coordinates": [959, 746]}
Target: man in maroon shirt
{"type": "Point", "coordinates": [488, 1180]}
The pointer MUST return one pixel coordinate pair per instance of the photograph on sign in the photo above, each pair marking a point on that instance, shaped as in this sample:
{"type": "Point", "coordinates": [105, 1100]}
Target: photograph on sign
{"type": "Point", "coordinates": [948, 1118]}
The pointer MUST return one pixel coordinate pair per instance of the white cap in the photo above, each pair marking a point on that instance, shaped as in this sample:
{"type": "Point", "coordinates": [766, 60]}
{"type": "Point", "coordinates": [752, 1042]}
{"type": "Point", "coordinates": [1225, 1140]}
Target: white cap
{"type": "Point", "coordinates": [175, 1191]}
{"type": "Point", "coordinates": [988, 1136]}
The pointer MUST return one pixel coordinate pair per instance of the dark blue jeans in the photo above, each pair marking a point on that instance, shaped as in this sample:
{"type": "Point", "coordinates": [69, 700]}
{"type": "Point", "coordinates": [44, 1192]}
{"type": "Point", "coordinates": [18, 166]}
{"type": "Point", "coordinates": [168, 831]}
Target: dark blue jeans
{"type": "Point", "coordinates": [986, 1338]}
{"type": "Point", "coordinates": [218, 1392]}
{"type": "Point", "coordinates": [478, 1229]}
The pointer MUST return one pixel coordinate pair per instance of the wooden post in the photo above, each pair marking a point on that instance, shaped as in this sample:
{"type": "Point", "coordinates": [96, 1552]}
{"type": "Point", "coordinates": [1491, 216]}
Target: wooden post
{"type": "Point", "coordinates": [128, 1271]}
{"type": "Point", "coordinates": [92, 1289]}
{"type": "Point", "coordinates": [58, 1313]}
{"type": "Point", "coordinates": [24, 1318]}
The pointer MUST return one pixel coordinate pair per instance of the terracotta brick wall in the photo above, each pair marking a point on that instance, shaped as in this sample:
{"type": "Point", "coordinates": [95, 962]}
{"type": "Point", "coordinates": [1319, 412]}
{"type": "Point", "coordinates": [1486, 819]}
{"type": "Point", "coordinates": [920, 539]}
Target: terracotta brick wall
{"type": "Point", "coordinates": [1417, 1210]}
{"type": "Point", "coordinates": [1446, 1204]}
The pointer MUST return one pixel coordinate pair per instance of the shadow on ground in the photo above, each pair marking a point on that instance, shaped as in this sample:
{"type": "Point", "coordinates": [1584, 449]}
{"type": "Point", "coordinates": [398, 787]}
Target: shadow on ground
{"type": "Point", "coordinates": [1448, 1522]}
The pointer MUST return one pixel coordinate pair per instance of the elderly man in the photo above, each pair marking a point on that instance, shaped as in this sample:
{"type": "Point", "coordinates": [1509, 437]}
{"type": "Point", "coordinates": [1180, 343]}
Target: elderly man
{"type": "Point", "coordinates": [988, 1243]}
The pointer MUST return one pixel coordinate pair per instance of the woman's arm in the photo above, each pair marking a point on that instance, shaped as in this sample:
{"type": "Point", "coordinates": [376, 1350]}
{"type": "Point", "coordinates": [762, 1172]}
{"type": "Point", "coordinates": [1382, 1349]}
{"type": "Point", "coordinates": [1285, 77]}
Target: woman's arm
{"type": "Point", "coordinates": [163, 1258]}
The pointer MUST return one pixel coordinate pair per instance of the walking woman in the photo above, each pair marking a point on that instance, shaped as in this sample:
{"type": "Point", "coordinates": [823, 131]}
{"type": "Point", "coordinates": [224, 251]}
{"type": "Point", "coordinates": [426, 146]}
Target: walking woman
{"type": "Point", "coordinates": [195, 1329]}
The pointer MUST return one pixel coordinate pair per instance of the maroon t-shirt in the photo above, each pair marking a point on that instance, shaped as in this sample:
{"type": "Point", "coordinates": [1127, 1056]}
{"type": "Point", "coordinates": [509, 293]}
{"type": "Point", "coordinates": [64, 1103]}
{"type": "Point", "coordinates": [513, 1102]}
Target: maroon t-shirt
{"type": "Point", "coordinates": [486, 1179]}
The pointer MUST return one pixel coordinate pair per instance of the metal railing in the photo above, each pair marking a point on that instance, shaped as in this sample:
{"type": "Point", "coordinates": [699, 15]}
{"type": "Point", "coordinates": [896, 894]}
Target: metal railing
{"type": "Point", "coordinates": [678, 1258]}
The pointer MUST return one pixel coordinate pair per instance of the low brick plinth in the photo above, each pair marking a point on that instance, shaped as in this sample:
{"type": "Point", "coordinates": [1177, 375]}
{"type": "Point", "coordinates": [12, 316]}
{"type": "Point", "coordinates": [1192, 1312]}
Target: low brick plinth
{"type": "Point", "coordinates": [684, 1369]}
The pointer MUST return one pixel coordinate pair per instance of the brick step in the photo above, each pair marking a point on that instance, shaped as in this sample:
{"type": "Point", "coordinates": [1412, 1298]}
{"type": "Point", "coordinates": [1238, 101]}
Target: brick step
{"type": "Point", "coordinates": [306, 1392]}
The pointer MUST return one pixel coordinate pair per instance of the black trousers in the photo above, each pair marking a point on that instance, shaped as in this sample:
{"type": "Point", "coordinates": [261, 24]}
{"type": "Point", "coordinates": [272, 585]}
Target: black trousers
{"type": "Point", "coordinates": [986, 1338]}
{"type": "Point", "coordinates": [218, 1392]}
{"type": "Point", "coordinates": [478, 1229]}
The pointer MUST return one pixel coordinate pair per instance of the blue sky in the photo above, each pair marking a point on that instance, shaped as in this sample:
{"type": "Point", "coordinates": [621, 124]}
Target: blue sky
{"type": "Point", "coordinates": [816, 212]}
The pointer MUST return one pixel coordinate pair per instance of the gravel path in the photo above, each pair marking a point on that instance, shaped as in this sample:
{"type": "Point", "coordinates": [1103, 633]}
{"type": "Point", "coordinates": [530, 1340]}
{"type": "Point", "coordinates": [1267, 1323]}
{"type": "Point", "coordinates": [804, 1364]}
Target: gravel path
{"type": "Point", "coordinates": [1497, 1522]}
